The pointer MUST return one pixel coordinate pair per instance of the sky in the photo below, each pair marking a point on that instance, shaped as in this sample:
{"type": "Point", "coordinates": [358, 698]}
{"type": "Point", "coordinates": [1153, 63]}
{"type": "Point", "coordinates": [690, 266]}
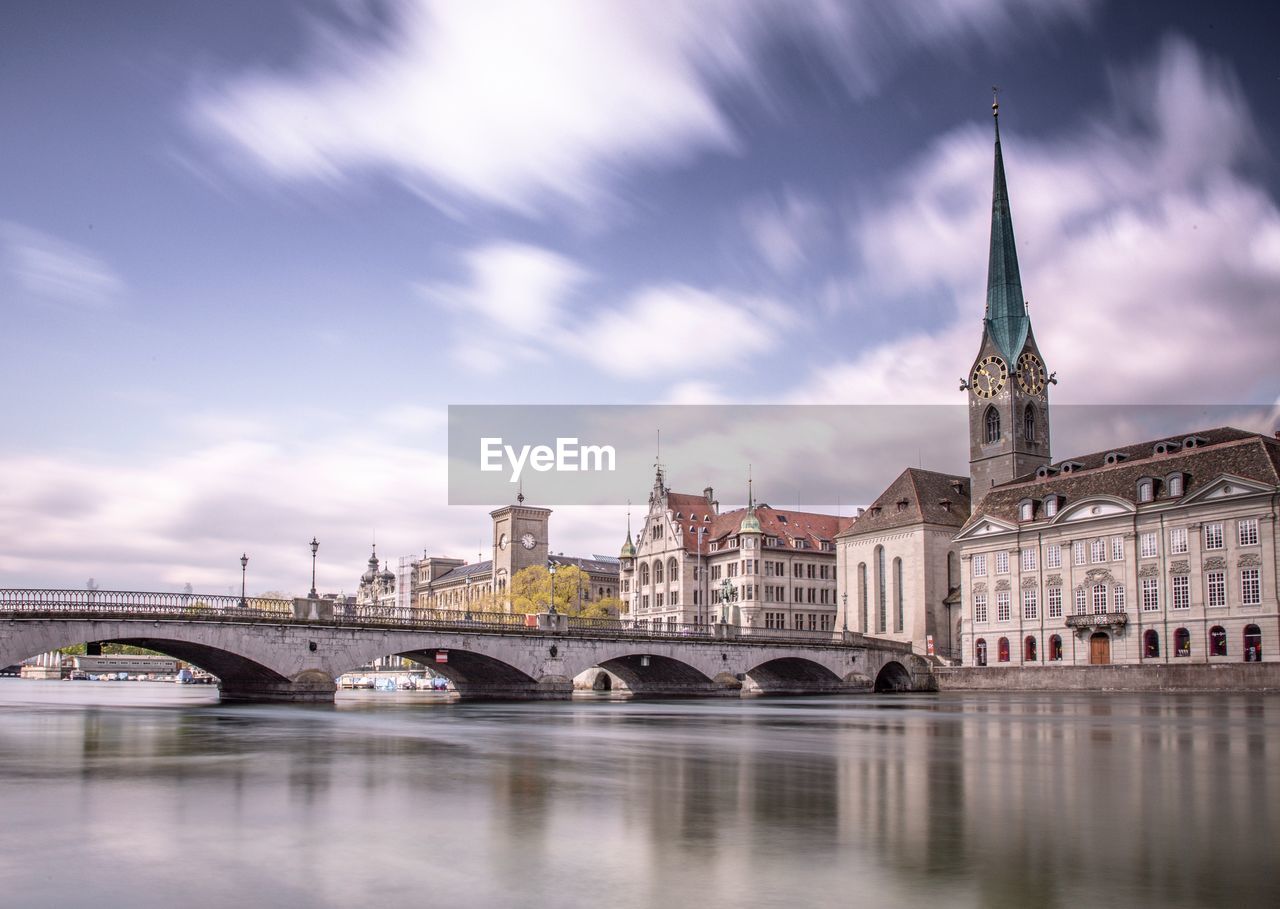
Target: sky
{"type": "Point", "coordinates": [251, 252]}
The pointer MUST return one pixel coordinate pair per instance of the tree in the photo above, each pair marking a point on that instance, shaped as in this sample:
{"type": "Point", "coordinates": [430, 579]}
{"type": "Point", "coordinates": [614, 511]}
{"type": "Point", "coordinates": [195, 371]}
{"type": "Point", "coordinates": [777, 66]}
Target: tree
{"type": "Point", "coordinates": [531, 593]}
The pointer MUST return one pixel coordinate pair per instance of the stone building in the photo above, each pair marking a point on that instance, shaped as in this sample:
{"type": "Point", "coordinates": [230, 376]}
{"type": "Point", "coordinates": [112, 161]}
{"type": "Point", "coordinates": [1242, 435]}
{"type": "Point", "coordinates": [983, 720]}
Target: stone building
{"type": "Point", "coordinates": [899, 573]}
{"type": "Point", "coordinates": [779, 564]}
{"type": "Point", "coordinates": [376, 588]}
{"type": "Point", "coordinates": [519, 539]}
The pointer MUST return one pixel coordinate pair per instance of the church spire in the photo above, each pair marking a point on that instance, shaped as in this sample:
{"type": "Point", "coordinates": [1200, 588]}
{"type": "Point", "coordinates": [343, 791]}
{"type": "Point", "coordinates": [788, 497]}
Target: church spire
{"type": "Point", "coordinates": [1006, 319]}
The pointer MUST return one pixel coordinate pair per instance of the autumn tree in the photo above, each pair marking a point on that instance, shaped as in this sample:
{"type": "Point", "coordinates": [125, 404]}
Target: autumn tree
{"type": "Point", "coordinates": [531, 593]}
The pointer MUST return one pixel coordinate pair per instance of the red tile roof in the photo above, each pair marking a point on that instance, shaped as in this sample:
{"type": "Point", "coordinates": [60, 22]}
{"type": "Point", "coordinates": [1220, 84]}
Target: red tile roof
{"type": "Point", "coordinates": [694, 511]}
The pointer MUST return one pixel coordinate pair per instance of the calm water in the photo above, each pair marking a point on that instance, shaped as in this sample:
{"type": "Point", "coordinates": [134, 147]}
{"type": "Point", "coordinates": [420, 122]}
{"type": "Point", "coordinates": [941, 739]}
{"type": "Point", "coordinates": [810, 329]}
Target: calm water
{"type": "Point", "coordinates": [149, 795]}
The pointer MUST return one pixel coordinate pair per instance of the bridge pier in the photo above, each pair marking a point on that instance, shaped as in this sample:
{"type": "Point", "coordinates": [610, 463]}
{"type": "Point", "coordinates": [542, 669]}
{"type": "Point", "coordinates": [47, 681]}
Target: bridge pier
{"type": "Point", "coordinates": [311, 686]}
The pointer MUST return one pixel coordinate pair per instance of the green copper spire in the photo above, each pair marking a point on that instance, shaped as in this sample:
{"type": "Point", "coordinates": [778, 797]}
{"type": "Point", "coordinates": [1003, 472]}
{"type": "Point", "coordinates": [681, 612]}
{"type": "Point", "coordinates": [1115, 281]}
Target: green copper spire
{"type": "Point", "coordinates": [628, 548]}
{"type": "Point", "coordinates": [750, 523]}
{"type": "Point", "coordinates": [1006, 319]}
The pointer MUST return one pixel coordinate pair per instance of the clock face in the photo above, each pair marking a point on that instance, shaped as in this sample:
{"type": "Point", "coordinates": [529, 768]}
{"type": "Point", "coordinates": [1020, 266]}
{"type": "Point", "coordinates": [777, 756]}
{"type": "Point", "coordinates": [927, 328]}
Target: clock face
{"type": "Point", "coordinates": [527, 541]}
{"type": "Point", "coordinates": [989, 377]}
{"type": "Point", "coordinates": [1031, 377]}
{"type": "Point", "coordinates": [502, 541]}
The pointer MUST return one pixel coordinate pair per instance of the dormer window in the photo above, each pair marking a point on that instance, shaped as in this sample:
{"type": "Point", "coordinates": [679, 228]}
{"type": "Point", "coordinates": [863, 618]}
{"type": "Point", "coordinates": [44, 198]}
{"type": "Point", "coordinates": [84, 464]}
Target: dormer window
{"type": "Point", "coordinates": [1051, 504]}
{"type": "Point", "coordinates": [957, 486]}
{"type": "Point", "coordinates": [1026, 510]}
{"type": "Point", "coordinates": [1071, 466]}
{"type": "Point", "coordinates": [1044, 471]}
{"type": "Point", "coordinates": [945, 503]}
{"type": "Point", "coordinates": [874, 509]}
{"type": "Point", "coordinates": [1115, 457]}
{"type": "Point", "coordinates": [1146, 489]}
{"type": "Point", "coordinates": [1166, 447]}
{"type": "Point", "coordinates": [902, 504]}
{"type": "Point", "coordinates": [1175, 484]}
{"type": "Point", "coordinates": [1194, 441]}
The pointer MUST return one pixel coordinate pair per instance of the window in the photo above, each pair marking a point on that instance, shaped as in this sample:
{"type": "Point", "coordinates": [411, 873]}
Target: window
{"type": "Point", "coordinates": [1081, 598]}
{"type": "Point", "coordinates": [1212, 536]}
{"type": "Point", "coordinates": [1051, 506]}
{"type": "Point", "coordinates": [657, 572]}
{"type": "Point", "coordinates": [1055, 602]}
{"type": "Point", "coordinates": [1117, 549]}
{"type": "Point", "coordinates": [1099, 599]}
{"type": "Point", "coordinates": [1217, 581]}
{"type": "Point", "coordinates": [993, 425]}
{"type": "Point", "coordinates": [899, 617]}
{"type": "Point", "coordinates": [1002, 650]}
{"type": "Point", "coordinates": [1053, 556]}
{"type": "Point", "coordinates": [673, 570]}
{"type": "Point", "coordinates": [980, 565]}
{"type": "Point", "coordinates": [657, 601]}
{"type": "Point", "coordinates": [1150, 594]}
{"type": "Point", "coordinates": [1055, 648]}
{"type": "Point", "coordinates": [1030, 604]}
{"type": "Point", "coordinates": [1146, 491]}
{"type": "Point", "coordinates": [1077, 552]}
{"type": "Point", "coordinates": [675, 598]}
{"type": "Point", "coordinates": [1147, 545]}
{"type": "Point", "coordinates": [1002, 563]}
{"type": "Point", "coordinates": [862, 594]}
{"type": "Point", "coordinates": [1029, 650]}
{"type": "Point", "coordinates": [980, 652]}
{"type": "Point", "coordinates": [979, 607]}
{"type": "Point", "coordinates": [1250, 587]}
{"type": "Point", "coordinates": [1174, 485]}
{"type": "Point", "coordinates": [1118, 598]}
{"type": "Point", "coordinates": [1181, 591]}
{"type": "Point", "coordinates": [882, 605]}
{"type": "Point", "coordinates": [1248, 532]}
{"type": "Point", "coordinates": [644, 574]}
{"type": "Point", "coordinates": [1098, 551]}
{"type": "Point", "coordinates": [1026, 510]}
{"type": "Point", "coordinates": [1252, 644]}
{"type": "Point", "coordinates": [1002, 605]}
{"type": "Point", "coordinates": [644, 601]}
{"type": "Point", "coordinates": [1150, 644]}
{"type": "Point", "coordinates": [1178, 541]}
{"type": "Point", "coordinates": [1181, 642]}
{"type": "Point", "coordinates": [1029, 423]}
{"type": "Point", "coordinates": [1217, 641]}
{"type": "Point", "coordinates": [1028, 560]}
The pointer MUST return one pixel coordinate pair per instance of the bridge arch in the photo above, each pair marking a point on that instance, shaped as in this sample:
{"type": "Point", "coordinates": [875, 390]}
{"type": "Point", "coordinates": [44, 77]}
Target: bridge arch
{"type": "Point", "coordinates": [893, 676]}
{"type": "Point", "coordinates": [792, 675]}
{"type": "Point", "coordinates": [476, 675]}
{"type": "Point", "coordinates": [656, 674]}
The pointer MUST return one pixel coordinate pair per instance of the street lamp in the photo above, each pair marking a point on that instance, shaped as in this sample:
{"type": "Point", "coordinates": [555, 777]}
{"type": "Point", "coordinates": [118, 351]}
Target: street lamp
{"type": "Point", "coordinates": [844, 598]}
{"type": "Point", "coordinates": [466, 616]}
{"type": "Point", "coordinates": [244, 566]}
{"type": "Point", "coordinates": [551, 570]}
{"type": "Point", "coordinates": [315, 544]}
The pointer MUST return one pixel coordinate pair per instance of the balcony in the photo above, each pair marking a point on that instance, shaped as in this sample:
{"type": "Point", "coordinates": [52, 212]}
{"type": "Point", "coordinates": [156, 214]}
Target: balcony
{"type": "Point", "coordinates": [1098, 621]}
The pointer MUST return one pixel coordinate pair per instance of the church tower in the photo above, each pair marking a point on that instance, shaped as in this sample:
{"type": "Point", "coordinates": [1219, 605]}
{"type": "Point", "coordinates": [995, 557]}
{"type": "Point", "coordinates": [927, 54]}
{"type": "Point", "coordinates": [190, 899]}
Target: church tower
{"type": "Point", "coordinates": [1008, 386]}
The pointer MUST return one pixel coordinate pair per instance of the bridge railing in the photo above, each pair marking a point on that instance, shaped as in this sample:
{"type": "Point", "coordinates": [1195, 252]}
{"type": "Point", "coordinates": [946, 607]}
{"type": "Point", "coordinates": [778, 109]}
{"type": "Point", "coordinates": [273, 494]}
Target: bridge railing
{"type": "Point", "coordinates": [137, 601]}
{"type": "Point", "coordinates": [806, 635]}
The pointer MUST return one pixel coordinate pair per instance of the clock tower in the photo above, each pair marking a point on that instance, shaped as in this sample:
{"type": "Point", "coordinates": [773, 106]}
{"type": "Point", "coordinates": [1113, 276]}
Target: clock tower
{"type": "Point", "coordinates": [1008, 386]}
{"type": "Point", "coordinates": [519, 540]}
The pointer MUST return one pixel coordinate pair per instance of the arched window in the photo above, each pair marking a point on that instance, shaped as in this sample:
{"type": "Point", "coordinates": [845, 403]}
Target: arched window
{"type": "Point", "coordinates": [673, 570]}
{"type": "Point", "coordinates": [1150, 644]}
{"type": "Point", "coordinates": [1002, 650]}
{"type": "Point", "coordinates": [1181, 642]}
{"type": "Point", "coordinates": [980, 652]}
{"type": "Point", "coordinates": [1029, 423]}
{"type": "Point", "coordinates": [1217, 641]}
{"type": "Point", "coordinates": [1252, 644]}
{"type": "Point", "coordinates": [992, 422]}
{"type": "Point", "coordinates": [862, 595]}
{"type": "Point", "coordinates": [644, 574]}
{"type": "Point", "coordinates": [657, 572]}
{"type": "Point", "coordinates": [1055, 648]}
{"type": "Point", "coordinates": [882, 606]}
{"type": "Point", "coordinates": [897, 593]}
{"type": "Point", "coordinates": [1029, 649]}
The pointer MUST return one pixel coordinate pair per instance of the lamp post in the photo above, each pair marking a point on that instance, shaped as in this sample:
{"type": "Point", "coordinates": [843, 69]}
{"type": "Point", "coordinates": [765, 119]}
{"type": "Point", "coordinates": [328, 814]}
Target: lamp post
{"type": "Point", "coordinates": [844, 599]}
{"type": "Point", "coordinates": [244, 567]}
{"type": "Point", "coordinates": [315, 544]}
{"type": "Point", "coordinates": [551, 570]}
{"type": "Point", "coordinates": [466, 616]}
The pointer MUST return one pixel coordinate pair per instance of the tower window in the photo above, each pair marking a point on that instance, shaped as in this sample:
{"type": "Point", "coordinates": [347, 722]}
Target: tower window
{"type": "Point", "coordinates": [992, 425]}
{"type": "Point", "coordinates": [1029, 423]}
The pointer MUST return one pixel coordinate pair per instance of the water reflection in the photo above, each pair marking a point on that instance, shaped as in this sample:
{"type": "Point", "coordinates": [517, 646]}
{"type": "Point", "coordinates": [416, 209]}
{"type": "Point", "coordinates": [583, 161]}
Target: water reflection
{"type": "Point", "coordinates": [972, 800]}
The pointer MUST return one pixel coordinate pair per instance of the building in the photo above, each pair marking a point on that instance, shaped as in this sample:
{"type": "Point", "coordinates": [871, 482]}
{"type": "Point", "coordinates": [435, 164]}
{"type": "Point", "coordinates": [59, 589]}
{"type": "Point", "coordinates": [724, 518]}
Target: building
{"type": "Point", "coordinates": [777, 566]}
{"type": "Point", "coordinates": [520, 539]}
{"type": "Point", "coordinates": [377, 588]}
{"type": "Point", "coordinates": [1152, 553]}
{"type": "Point", "coordinates": [899, 575]}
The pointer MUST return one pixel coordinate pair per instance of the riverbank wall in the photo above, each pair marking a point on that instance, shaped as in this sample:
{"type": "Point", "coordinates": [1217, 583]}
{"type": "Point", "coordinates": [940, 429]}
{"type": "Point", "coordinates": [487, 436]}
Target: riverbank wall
{"type": "Point", "coordinates": [1195, 677]}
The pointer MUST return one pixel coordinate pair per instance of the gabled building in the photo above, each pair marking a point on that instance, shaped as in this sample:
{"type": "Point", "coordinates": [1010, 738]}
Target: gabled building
{"type": "Point", "coordinates": [778, 565]}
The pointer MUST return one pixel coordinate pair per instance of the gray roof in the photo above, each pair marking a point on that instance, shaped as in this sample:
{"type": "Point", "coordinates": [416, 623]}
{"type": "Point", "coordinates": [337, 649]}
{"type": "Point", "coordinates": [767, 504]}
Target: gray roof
{"type": "Point", "coordinates": [916, 497]}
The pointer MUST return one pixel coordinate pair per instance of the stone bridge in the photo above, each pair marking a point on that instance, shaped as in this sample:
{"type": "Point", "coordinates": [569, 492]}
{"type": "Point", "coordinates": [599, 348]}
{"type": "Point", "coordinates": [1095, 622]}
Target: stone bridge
{"type": "Point", "coordinates": [282, 651]}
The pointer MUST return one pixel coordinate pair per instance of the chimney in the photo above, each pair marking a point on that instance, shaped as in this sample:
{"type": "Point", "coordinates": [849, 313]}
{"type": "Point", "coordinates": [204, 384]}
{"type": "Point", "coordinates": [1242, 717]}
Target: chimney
{"type": "Point", "coordinates": [708, 494]}
{"type": "Point", "coordinates": [860, 511]}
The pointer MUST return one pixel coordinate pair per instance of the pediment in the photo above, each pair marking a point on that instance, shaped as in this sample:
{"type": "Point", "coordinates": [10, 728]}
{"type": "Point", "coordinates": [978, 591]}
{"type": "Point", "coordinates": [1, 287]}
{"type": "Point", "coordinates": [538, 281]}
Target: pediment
{"type": "Point", "coordinates": [1092, 508]}
{"type": "Point", "coordinates": [986, 527]}
{"type": "Point", "coordinates": [1227, 487]}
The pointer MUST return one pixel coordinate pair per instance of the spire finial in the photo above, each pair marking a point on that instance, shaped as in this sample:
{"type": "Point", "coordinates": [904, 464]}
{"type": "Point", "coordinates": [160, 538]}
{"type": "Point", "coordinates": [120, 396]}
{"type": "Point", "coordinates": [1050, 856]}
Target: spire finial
{"type": "Point", "coordinates": [520, 493]}
{"type": "Point", "coordinates": [751, 499]}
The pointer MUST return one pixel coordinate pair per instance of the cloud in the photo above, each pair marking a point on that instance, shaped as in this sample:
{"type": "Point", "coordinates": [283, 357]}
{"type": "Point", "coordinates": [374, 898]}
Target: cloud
{"type": "Point", "coordinates": [1145, 255]}
{"type": "Point", "coordinates": [52, 269]}
{"type": "Point", "coordinates": [519, 104]}
{"type": "Point", "coordinates": [784, 228]}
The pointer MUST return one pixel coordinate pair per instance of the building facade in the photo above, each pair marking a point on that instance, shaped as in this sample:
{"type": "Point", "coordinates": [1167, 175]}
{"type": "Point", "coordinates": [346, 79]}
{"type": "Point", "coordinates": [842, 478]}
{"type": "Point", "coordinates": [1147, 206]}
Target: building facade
{"type": "Point", "coordinates": [777, 566]}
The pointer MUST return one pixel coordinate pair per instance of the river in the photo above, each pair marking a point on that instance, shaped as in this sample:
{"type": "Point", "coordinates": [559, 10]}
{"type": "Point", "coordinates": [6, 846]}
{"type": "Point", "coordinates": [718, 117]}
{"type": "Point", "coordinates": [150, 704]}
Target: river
{"type": "Point", "coordinates": [142, 795]}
